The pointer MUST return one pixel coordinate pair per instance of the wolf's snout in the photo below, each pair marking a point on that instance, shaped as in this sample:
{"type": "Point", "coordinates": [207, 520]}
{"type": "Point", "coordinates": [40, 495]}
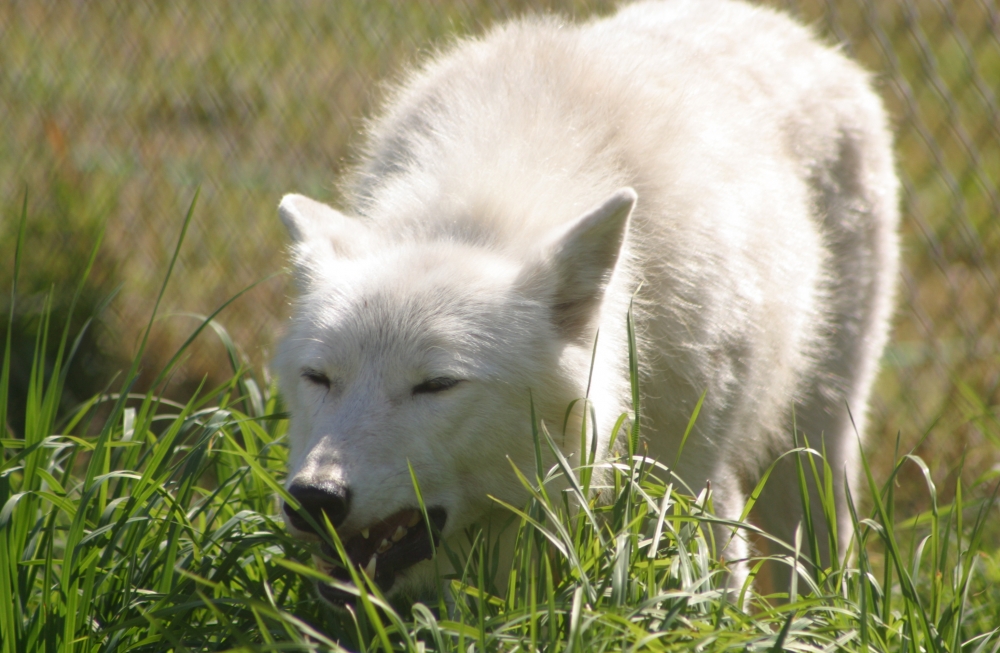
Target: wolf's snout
{"type": "Point", "coordinates": [316, 500]}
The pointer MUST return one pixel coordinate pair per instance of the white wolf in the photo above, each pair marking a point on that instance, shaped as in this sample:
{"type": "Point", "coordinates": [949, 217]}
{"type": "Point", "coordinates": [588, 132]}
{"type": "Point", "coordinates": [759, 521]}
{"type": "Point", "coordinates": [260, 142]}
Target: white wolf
{"type": "Point", "coordinates": [516, 192]}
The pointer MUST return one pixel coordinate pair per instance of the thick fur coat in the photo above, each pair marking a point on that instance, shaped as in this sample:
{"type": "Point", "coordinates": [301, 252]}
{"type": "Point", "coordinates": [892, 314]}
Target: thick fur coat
{"type": "Point", "coordinates": [712, 160]}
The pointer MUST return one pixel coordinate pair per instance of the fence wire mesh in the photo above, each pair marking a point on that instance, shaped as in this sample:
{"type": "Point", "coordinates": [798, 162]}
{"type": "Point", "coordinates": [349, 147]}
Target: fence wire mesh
{"type": "Point", "coordinates": [114, 113]}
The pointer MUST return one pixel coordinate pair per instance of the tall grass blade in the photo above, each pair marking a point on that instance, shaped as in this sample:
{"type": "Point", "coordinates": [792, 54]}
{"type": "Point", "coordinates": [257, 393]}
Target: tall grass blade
{"type": "Point", "coordinates": [633, 368]}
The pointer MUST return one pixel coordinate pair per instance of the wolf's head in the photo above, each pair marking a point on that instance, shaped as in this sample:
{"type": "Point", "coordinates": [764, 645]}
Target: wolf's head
{"type": "Point", "coordinates": [426, 354]}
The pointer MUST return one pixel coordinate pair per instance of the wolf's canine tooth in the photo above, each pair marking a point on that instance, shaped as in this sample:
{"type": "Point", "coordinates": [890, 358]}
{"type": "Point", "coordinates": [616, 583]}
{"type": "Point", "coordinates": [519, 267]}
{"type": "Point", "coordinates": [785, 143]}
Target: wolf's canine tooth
{"type": "Point", "coordinates": [370, 567]}
{"type": "Point", "coordinates": [398, 534]}
{"type": "Point", "coordinates": [384, 546]}
{"type": "Point", "coordinates": [364, 533]}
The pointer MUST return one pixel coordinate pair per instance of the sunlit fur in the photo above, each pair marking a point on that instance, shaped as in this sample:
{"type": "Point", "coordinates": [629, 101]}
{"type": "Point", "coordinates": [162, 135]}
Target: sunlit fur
{"type": "Point", "coordinates": [762, 244]}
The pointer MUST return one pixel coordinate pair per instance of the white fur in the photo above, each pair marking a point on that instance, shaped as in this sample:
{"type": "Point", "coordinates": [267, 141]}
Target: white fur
{"type": "Point", "coordinates": [491, 238]}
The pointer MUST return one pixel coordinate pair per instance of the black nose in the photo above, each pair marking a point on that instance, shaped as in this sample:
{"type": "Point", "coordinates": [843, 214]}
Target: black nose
{"type": "Point", "coordinates": [316, 499]}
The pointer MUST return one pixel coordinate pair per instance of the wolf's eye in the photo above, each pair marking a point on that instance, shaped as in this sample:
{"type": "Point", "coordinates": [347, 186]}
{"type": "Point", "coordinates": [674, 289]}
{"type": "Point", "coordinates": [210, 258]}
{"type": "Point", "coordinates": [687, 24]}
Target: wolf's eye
{"type": "Point", "coordinates": [431, 386]}
{"type": "Point", "coordinates": [316, 377]}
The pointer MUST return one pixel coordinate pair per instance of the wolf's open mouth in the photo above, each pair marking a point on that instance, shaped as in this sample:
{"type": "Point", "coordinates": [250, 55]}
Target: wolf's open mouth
{"type": "Point", "coordinates": [383, 550]}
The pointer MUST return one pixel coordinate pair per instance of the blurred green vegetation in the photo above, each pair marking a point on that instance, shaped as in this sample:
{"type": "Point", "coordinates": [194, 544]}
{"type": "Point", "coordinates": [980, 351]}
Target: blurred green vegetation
{"type": "Point", "coordinates": [114, 113]}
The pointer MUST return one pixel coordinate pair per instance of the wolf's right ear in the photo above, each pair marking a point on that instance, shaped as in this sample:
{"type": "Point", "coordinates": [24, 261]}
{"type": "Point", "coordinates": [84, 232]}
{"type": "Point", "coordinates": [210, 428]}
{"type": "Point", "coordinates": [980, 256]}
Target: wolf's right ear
{"type": "Point", "coordinates": [579, 260]}
{"type": "Point", "coordinates": [318, 233]}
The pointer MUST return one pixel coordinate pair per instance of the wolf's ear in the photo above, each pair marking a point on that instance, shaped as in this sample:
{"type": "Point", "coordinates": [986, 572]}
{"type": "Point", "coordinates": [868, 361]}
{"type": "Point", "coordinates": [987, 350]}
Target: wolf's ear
{"type": "Point", "coordinates": [306, 219]}
{"type": "Point", "coordinates": [582, 257]}
{"type": "Point", "coordinates": [318, 232]}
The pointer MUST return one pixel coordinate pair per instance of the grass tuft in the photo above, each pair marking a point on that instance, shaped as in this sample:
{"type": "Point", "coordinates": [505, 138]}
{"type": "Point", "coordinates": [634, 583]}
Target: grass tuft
{"type": "Point", "coordinates": [136, 523]}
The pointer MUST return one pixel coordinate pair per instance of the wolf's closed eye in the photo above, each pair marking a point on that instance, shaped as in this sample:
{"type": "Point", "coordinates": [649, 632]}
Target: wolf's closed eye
{"type": "Point", "coordinates": [316, 377]}
{"type": "Point", "coordinates": [438, 384]}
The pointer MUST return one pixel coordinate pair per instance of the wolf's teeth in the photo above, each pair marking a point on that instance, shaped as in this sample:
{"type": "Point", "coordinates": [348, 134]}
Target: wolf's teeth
{"type": "Point", "coordinates": [322, 565]}
{"type": "Point", "coordinates": [399, 534]}
{"type": "Point", "coordinates": [364, 533]}
{"type": "Point", "coordinates": [384, 546]}
{"type": "Point", "coordinates": [414, 520]}
{"type": "Point", "coordinates": [370, 567]}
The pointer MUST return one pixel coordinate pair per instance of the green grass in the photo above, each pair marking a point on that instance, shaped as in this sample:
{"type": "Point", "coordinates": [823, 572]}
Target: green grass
{"type": "Point", "coordinates": [131, 522]}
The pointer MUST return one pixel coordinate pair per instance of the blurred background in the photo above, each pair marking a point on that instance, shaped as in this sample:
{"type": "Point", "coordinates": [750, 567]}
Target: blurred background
{"type": "Point", "coordinates": [112, 114]}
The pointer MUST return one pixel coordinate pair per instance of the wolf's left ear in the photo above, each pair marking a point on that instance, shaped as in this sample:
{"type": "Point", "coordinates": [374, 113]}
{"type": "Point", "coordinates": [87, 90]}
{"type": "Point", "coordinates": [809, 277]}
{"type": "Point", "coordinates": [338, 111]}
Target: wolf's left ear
{"type": "Point", "coordinates": [318, 232]}
{"type": "Point", "coordinates": [306, 220]}
{"type": "Point", "coordinates": [582, 258]}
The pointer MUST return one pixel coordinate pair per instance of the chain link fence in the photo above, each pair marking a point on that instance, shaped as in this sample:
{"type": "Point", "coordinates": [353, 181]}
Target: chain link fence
{"type": "Point", "coordinates": [115, 114]}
